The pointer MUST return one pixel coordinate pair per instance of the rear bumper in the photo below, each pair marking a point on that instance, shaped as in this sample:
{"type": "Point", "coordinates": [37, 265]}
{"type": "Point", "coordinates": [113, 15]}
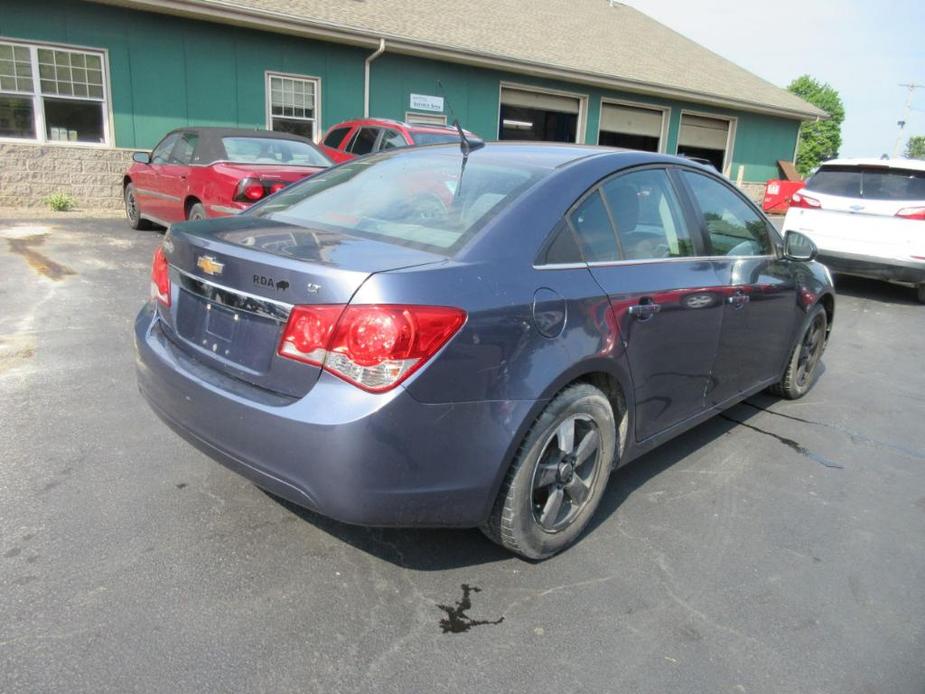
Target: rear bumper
{"type": "Point", "coordinates": [354, 456]}
{"type": "Point", "coordinates": [891, 269]}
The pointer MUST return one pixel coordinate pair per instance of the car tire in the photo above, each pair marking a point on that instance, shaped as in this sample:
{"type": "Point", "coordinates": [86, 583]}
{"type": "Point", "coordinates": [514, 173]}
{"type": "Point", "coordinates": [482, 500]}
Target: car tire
{"type": "Point", "coordinates": [555, 484]}
{"type": "Point", "coordinates": [196, 212]}
{"type": "Point", "coordinates": [920, 293]}
{"type": "Point", "coordinates": [801, 373]}
{"type": "Point", "coordinates": [133, 210]}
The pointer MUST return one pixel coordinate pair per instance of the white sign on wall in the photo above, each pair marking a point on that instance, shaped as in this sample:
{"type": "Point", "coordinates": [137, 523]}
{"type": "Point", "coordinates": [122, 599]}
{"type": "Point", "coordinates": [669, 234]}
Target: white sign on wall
{"type": "Point", "coordinates": [423, 102]}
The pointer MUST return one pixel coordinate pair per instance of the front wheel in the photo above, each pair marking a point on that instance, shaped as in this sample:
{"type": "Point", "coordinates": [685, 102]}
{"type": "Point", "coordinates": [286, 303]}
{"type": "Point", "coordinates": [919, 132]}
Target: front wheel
{"type": "Point", "coordinates": [558, 477]}
{"type": "Point", "coordinates": [800, 375]}
{"type": "Point", "coordinates": [132, 210]}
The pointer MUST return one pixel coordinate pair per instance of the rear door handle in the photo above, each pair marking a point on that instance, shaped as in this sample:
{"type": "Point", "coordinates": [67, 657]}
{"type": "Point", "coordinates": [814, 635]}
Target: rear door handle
{"type": "Point", "coordinates": [644, 311]}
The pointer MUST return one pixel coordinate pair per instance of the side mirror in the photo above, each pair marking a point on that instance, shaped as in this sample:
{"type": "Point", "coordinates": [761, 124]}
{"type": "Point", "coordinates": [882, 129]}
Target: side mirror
{"type": "Point", "coordinates": [798, 246]}
{"type": "Point", "coordinates": [141, 157]}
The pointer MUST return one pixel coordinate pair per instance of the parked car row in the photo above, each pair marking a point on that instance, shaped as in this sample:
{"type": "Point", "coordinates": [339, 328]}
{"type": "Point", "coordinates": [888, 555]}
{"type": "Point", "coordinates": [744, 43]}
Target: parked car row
{"type": "Point", "coordinates": [200, 173]}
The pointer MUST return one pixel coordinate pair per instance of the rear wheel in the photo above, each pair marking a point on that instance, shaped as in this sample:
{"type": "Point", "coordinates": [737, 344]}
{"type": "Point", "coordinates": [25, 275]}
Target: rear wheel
{"type": "Point", "coordinates": [196, 212]}
{"type": "Point", "coordinates": [132, 210]}
{"type": "Point", "coordinates": [558, 477]}
{"type": "Point", "coordinates": [800, 375]}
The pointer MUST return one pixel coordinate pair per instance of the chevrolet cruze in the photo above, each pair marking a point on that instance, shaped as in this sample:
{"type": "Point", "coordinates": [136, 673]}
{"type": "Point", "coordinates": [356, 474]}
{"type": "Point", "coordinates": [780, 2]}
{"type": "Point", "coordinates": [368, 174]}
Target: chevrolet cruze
{"type": "Point", "coordinates": [441, 336]}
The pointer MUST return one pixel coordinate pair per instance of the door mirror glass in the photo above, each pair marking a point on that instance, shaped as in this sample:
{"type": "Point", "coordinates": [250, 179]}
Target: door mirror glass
{"type": "Point", "coordinates": [797, 246]}
{"type": "Point", "coordinates": [141, 157]}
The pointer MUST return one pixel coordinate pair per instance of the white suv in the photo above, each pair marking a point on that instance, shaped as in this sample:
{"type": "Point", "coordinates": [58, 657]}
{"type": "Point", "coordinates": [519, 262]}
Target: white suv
{"type": "Point", "coordinates": [867, 217]}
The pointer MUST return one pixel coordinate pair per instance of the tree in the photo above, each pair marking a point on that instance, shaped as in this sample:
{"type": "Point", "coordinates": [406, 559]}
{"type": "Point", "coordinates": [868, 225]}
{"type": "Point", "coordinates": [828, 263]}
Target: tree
{"type": "Point", "coordinates": [819, 140]}
{"type": "Point", "coordinates": [915, 147]}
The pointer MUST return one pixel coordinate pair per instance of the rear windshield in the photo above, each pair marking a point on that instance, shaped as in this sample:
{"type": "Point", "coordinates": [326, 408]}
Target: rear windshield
{"type": "Point", "coordinates": [268, 150]}
{"type": "Point", "coordinates": [419, 198]}
{"type": "Point", "coordinates": [869, 182]}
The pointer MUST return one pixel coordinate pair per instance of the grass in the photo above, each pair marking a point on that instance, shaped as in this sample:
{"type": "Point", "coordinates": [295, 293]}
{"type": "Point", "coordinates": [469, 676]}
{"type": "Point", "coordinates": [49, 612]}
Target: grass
{"type": "Point", "coordinates": [61, 202]}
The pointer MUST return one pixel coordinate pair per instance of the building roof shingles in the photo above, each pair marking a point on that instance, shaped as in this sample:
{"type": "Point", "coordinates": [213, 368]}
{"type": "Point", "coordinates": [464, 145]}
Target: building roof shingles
{"type": "Point", "coordinates": [591, 38]}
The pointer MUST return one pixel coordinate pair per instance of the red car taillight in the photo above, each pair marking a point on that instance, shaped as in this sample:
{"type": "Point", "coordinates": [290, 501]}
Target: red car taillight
{"type": "Point", "coordinates": [252, 189]}
{"type": "Point", "coordinates": [160, 277]}
{"type": "Point", "coordinates": [804, 201]}
{"type": "Point", "coordinates": [374, 347]}
{"type": "Point", "coordinates": [912, 213]}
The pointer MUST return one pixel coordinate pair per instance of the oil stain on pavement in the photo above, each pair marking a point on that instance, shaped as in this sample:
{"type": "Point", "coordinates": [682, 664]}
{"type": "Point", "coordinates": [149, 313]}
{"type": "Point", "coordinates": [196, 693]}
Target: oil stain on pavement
{"type": "Point", "coordinates": [456, 620]}
{"type": "Point", "coordinates": [790, 443]}
{"type": "Point", "coordinates": [40, 263]}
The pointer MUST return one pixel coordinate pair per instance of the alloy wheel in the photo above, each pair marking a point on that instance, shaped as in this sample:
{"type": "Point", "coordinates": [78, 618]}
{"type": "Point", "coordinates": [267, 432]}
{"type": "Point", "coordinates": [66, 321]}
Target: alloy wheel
{"type": "Point", "coordinates": [565, 472]}
{"type": "Point", "coordinates": [811, 350]}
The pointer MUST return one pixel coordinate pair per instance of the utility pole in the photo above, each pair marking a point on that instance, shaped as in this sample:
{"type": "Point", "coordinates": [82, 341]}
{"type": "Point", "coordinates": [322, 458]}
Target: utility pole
{"type": "Point", "coordinates": [902, 123]}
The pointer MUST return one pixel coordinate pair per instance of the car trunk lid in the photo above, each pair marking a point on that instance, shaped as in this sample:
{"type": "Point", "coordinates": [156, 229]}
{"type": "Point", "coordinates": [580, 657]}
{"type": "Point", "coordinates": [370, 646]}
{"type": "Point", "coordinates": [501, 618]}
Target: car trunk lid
{"type": "Point", "coordinates": [235, 280]}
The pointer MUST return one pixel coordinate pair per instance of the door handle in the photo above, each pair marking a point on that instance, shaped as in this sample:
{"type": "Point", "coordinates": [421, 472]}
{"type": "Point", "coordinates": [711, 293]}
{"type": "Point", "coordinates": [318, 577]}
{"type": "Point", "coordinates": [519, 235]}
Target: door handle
{"type": "Point", "coordinates": [644, 310]}
{"type": "Point", "coordinates": [738, 300]}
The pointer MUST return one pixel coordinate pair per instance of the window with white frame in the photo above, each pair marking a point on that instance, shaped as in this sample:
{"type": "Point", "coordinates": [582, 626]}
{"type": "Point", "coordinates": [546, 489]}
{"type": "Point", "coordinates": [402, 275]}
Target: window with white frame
{"type": "Point", "coordinates": [52, 94]}
{"type": "Point", "coordinates": [292, 104]}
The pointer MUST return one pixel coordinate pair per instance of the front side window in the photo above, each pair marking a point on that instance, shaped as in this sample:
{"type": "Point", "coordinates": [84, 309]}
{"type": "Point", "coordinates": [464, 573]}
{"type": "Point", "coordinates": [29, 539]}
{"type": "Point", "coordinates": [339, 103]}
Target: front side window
{"type": "Point", "coordinates": [62, 88]}
{"type": "Point", "coordinates": [734, 228]}
{"type": "Point", "coordinates": [595, 233]}
{"type": "Point", "coordinates": [423, 199]}
{"type": "Point", "coordinates": [186, 147]}
{"type": "Point", "coordinates": [647, 215]}
{"type": "Point", "coordinates": [364, 141]}
{"type": "Point", "coordinates": [161, 153]}
{"type": "Point", "coordinates": [293, 104]}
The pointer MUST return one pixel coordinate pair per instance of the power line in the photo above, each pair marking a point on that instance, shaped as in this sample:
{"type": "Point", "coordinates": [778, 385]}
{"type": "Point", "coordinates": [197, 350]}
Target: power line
{"type": "Point", "coordinates": [911, 87]}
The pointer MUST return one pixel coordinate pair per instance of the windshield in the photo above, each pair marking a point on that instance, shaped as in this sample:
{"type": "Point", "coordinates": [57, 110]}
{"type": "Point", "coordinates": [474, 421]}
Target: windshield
{"type": "Point", "coordinates": [270, 150]}
{"type": "Point", "coordinates": [869, 182]}
{"type": "Point", "coordinates": [418, 198]}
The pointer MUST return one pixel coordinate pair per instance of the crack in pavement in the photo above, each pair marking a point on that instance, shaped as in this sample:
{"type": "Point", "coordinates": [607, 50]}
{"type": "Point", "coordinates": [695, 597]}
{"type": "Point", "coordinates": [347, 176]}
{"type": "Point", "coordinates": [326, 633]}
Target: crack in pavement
{"type": "Point", "coordinates": [854, 436]}
{"type": "Point", "coordinates": [790, 443]}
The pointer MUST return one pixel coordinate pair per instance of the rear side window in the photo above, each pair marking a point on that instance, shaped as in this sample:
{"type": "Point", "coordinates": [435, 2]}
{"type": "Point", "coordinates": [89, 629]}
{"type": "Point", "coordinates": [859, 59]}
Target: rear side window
{"type": "Point", "coordinates": [869, 182]}
{"type": "Point", "coordinates": [336, 136]}
{"type": "Point", "coordinates": [272, 150]}
{"type": "Point", "coordinates": [647, 215]}
{"type": "Point", "coordinates": [734, 228]}
{"type": "Point", "coordinates": [592, 224]}
{"type": "Point", "coordinates": [564, 247]}
{"type": "Point", "coordinates": [392, 139]}
{"type": "Point", "coordinates": [364, 141]}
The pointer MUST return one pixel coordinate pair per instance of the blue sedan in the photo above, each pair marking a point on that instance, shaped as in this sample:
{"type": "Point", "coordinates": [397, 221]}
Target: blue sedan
{"type": "Point", "coordinates": [444, 337]}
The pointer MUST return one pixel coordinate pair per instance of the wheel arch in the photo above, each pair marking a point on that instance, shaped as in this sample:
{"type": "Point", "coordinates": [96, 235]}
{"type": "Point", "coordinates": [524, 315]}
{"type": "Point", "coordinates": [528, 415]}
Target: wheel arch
{"type": "Point", "coordinates": [602, 373]}
{"type": "Point", "coordinates": [188, 203]}
{"type": "Point", "coordinates": [828, 303]}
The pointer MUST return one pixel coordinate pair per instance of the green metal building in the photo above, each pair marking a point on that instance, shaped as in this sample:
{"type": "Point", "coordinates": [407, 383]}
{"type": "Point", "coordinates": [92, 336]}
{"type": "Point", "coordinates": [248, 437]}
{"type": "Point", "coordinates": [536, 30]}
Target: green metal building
{"type": "Point", "coordinates": [87, 76]}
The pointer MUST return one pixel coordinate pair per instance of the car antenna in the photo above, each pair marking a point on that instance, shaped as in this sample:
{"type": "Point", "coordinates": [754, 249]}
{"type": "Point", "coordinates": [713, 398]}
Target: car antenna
{"type": "Point", "coordinates": [464, 145]}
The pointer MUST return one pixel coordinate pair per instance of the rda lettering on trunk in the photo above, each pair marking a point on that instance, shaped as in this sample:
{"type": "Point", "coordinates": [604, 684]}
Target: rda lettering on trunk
{"type": "Point", "coordinates": [280, 286]}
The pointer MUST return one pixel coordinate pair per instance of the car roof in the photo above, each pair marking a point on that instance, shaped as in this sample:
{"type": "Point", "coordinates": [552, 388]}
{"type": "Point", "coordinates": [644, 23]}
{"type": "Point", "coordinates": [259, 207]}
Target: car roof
{"type": "Point", "coordinates": [914, 164]}
{"type": "Point", "coordinates": [383, 122]}
{"type": "Point", "coordinates": [557, 155]}
{"type": "Point", "coordinates": [219, 132]}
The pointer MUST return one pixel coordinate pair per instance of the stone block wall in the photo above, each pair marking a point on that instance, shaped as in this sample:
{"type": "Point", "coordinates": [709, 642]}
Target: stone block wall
{"type": "Point", "coordinates": [30, 172]}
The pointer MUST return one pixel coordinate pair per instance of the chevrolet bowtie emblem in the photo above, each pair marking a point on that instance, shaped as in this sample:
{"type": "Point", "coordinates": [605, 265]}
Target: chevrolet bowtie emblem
{"type": "Point", "coordinates": [210, 265]}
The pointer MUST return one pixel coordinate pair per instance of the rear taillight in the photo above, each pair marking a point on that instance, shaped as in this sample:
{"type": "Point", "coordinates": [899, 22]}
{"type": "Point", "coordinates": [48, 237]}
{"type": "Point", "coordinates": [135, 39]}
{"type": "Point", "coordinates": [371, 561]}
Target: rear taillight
{"type": "Point", "coordinates": [252, 189]}
{"type": "Point", "coordinates": [804, 201]}
{"type": "Point", "coordinates": [375, 347]}
{"type": "Point", "coordinates": [160, 277]}
{"type": "Point", "coordinates": [912, 213]}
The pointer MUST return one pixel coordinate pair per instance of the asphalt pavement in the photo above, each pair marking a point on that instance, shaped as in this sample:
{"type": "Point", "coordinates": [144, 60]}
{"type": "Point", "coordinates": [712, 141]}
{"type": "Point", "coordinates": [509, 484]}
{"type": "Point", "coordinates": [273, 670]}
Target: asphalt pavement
{"type": "Point", "coordinates": [778, 548]}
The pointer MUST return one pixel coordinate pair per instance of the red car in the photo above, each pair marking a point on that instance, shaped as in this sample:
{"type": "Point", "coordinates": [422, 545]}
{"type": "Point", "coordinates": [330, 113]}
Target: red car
{"type": "Point", "coordinates": [354, 138]}
{"type": "Point", "coordinates": [197, 173]}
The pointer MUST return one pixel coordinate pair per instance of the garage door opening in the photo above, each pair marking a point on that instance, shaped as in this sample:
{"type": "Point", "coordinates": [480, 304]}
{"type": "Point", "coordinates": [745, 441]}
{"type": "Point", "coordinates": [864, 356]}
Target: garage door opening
{"type": "Point", "coordinates": [529, 115]}
{"type": "Point", "coordinates": [631, 127]}
{"type": "Point", "coordinates": [704, 138]}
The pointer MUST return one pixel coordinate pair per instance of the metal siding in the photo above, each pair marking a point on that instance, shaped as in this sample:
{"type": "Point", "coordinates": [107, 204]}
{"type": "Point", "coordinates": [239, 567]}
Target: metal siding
{"type": "Point", "coordinates": [168, 72]}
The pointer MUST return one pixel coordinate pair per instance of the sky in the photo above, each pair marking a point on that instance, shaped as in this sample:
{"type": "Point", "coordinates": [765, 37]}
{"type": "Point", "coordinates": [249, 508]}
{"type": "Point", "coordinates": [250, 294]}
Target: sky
{"type": "Point", "coordinates": [863, 49]}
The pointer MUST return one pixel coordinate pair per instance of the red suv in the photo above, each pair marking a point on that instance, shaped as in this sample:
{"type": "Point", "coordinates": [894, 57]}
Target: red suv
{"type": "Point", "coordinates": [353, 138]}
{"type": "Point", "coordinates": [195, 173]}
